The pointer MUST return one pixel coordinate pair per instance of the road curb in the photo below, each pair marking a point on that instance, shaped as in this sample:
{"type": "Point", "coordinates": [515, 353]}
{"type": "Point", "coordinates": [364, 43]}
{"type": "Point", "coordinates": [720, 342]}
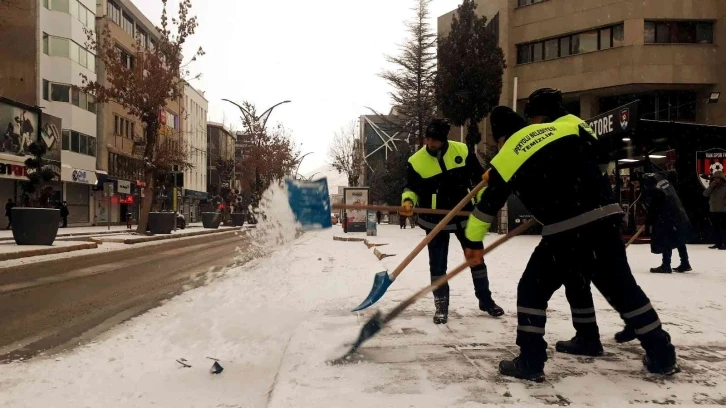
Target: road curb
{"type": "Point", "coordinates": [131, 249]}
{"type": "Point", "coordinates": [163, 237]}
{"type": "Point", "coordinates": [47, 251]}
{"type": "Point", "coordinates": [74, 234]}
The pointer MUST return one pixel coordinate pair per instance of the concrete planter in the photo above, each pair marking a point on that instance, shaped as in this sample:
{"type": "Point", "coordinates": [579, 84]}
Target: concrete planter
{"type": "Point", "coordinates": [238, 219]}
{"type": "Point", "coordinates": [161, 222]}
{"type": "Point", "coordinates": [209, 221]}
{"type": "Point", "coordinates": [35, 226]}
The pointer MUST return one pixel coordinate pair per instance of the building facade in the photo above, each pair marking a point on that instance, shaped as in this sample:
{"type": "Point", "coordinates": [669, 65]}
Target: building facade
{"type": "Point", "coordinates": [64, 58]}
{"type": "Point", "coordinates": [603, 54]}
{"type": "Point", "coordinates": [195, 136]}
{"type": "Point", "coordinates": [120, 138]}
{"type": "Point", "coordinates": [220, 158]}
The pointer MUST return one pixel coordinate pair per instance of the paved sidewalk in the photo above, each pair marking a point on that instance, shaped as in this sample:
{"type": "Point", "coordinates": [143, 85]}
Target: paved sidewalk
{"type": "Point", "coordinates": [7, 235]}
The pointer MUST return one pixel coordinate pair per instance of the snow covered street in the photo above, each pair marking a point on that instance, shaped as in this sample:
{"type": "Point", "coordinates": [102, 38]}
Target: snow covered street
{"type": "Point", "coordinates": [275, 322]}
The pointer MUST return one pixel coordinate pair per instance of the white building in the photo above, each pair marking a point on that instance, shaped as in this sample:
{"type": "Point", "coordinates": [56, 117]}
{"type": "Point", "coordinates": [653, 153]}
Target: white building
{"type": "Point", "coordinates": [63, 58]}
{"type": "Point", "coordinates": [195, 135]}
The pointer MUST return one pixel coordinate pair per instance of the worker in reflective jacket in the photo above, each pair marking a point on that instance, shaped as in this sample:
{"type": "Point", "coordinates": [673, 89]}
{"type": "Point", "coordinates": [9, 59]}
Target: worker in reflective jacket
{"type": "Point", "coordinates": [545, 106]}
{"type": "Point", "coordinates": [554, 173]}
{"type": "Point", "coordinates": [440, 174]}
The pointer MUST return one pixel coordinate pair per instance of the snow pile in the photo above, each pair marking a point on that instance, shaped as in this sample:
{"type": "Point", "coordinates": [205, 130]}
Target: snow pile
{"type": "Point", "coordinates": [276, 224]}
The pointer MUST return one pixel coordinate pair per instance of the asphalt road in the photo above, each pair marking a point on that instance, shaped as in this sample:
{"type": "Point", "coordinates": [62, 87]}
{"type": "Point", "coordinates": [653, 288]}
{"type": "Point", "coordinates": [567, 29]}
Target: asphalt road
{"type": "Point", "coordinates": [51, 307]}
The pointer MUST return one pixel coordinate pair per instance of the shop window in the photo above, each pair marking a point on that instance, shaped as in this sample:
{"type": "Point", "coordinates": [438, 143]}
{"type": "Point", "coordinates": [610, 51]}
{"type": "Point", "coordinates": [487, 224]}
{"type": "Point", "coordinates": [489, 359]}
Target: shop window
{"type": "Point", "coordinates": [551, 49]}
{"type": "Point", "coordinates": [66, 135]}
{"type": "Point", "coordinates": [46, 88]}
{"type": "Point", "coordinates": [75, 141]}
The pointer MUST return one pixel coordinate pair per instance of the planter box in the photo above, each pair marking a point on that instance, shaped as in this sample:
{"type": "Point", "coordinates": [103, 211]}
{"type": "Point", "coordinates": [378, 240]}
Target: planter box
{"type": "Point", "coordinates": [35, 226]}
{"type": "Point", "coordinates": [208, 220]}
{"type": "Point", "coordinates": [161, 222]}
{"type": "Point", "coordinates": [238, 219]}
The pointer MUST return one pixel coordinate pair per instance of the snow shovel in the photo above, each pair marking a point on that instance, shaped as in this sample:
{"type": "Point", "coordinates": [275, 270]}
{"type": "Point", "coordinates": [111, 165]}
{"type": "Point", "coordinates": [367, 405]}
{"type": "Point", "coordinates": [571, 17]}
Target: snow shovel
{"type": "Point", "coordinates": [637, 234]}
{"type": "Point", "coordinates": [383, 280]}
{"type": "Point", "coordinates": [376, 323]}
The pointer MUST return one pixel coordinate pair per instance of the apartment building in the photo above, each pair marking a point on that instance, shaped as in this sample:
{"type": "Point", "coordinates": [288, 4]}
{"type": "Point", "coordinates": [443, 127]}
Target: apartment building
{"type": "Point", "coordinates": [220, 148]}
{"type": "Point", "coordinates": [119, 133]}
{"type": "Point", "coordinates": [605, 53]}
{"type": "Point", "coordinates": [195, 134]}
{"type": "Point", "coordinates": [64, 59]}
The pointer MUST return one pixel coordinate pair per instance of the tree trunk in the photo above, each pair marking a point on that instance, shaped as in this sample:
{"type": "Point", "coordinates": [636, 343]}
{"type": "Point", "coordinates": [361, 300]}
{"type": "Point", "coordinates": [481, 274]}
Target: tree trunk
{"type": "Point", "coordinates": [146, 202]}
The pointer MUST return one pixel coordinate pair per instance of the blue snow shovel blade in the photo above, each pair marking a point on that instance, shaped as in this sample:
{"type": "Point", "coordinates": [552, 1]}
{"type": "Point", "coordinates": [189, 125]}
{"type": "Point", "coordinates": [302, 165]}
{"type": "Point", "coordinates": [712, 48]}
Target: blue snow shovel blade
{"type": "Point", "coordinates": [310, 203]}
{"type": "Point", "coordinates": [381, 282]}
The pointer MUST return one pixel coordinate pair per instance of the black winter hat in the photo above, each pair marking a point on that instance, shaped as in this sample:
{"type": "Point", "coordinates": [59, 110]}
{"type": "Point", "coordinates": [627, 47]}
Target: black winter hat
{"type": "Point", "coordinates": [544, 102]}
{"type": "Point", "coordinates": [505, 122]}
{"type": "Point", "coordinates": [438, 129]}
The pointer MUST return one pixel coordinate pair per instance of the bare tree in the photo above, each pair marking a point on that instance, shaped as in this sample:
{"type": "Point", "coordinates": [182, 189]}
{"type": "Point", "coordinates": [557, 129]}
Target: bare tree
{"type": "Point", "coordinates": [414, 78]}
{"type": "Point", "coordinates": [144, 85]}
{"type": "Point", "coordinates": [345, 153]}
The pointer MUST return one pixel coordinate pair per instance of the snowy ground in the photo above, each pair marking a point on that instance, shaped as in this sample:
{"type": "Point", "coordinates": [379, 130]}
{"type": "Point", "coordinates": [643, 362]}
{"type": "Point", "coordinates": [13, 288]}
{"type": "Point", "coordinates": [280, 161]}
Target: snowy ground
{"type": "Point", "coordinates": [274, 323]}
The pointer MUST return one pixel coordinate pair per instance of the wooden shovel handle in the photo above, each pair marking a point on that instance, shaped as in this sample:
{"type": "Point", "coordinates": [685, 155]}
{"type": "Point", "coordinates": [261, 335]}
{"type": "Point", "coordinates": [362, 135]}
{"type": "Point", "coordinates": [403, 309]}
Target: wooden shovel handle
{"type": "Point", "coordinates": [442, 280]}
{"type": "Point", "coordinates": [397, 209]}
{"type": "Point", "coordinates": [637, 234]}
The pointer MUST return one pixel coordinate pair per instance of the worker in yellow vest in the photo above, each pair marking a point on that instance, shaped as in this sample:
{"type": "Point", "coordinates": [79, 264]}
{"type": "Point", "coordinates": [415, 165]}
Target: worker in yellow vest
{"type": "Point", "coordinates": [440, 174]}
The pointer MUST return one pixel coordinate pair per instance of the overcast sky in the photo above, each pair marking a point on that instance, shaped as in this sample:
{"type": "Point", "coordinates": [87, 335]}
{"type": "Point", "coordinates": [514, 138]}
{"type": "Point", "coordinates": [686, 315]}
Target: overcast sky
{"type": "Point", "coordinates": [321, 54]}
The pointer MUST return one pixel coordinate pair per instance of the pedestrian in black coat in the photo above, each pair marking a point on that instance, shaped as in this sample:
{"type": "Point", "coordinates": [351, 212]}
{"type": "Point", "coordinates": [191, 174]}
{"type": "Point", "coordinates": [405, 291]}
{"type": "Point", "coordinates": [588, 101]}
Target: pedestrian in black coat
{"type": "Point", "coordinates": [671, 227]}
{"type": "Point", "coordinates": [64, 214]}
{"type": "Point", "coordinates": [9, 212]}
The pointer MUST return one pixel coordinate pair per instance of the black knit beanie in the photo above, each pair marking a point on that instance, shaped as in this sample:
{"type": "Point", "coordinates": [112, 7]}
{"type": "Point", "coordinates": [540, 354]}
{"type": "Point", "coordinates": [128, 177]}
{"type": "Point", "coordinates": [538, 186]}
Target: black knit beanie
{"type": "Point", "coordinates": [505, 122]}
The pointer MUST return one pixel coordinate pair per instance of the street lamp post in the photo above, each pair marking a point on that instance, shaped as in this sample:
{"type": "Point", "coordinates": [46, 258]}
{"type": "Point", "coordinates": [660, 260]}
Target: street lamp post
{"type": "Point", "coordinates": [300, 162]}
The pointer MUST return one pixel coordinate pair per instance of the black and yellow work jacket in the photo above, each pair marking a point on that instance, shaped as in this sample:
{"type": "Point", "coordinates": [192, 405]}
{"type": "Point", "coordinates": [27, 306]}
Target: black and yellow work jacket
{"type": "Point", "coordinates": [441, 181]}
{"type": "Point", "coordinates": [553, 169]}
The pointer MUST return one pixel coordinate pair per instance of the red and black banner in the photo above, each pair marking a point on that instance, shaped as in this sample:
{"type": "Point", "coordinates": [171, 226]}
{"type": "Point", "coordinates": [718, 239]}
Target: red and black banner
{"type": "Point", "coordinates": [709, 162]}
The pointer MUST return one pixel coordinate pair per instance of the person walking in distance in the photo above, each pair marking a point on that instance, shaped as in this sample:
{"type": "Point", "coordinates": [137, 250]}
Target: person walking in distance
{"type": "Point", "coordinates": [439, 175]}
{"type": "Point", "coordinates": [671, 227]}
{"type": "Point", "coordinates": [9, 212]}
{"type": "Point", "coordinates": [545, 106]}
{"type": "Point", "coordinates": [581, 236]}
{"type": "Point", "coordinates": [378, 217]}
{"type": "Point", "coordinates": [716, 194]}
{"type": "Point", "coordinates": [64, 214]}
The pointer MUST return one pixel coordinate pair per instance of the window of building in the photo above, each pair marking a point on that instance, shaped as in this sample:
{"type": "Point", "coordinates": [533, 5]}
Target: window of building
{"type": "Point", "coordinates": [521, 3]}
{"type": "Point", "coordinates": [66, 137]}
{"type": "Point", "coordinates": [91, 104]}
{"type": "Point", "coordinates": [75, 51]}
{"type": "Point", "coordinates": [115, 124]}
{"type": "Point", "coordinates": [678, 32]}
{"type": "Point", "coordinates": [45, 43]}
{"type": "Point", "coordinates": [63, 47]}
{"type": "Point", "coordinates": [75, 141]}
{"type": "Point", "coordinates": [46, 88]}
{"type": "Point", "coordinates": [75, 97]}
{"type": "Point", "coordinates": [142, 38]}
{"type": "Point", "coordinates": [127, 23]}
{"type": "Point", "coordinates": [60, 5]}
{"type": "Point", "coordinates": [588, 41]}
{"type": "Point", "coordinates": [114, 12]}
{"type": "Point", "coordinates": [59, 47]}
{"type": "Point", "coordinates": [91, 146]}
{"type": "Point", "coordinates": [60, 92]}
{"type": "Point", "coordinates": [552, 49]}
{"type": "Point", "coordinates": [83, 148]}
{"type": "Point", "coordinates": [126, 58]}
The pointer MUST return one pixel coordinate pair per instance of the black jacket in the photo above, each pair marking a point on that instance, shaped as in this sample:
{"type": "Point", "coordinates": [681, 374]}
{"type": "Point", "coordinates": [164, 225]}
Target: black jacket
{"type": "Point", "coordinates": [671, 227]}
{"type": "Point", "coordinates": [64, 211]}
{"type": "Point", "coordinates": [8, 208]}
{"type": "Point", "coordinates": [450, 187]}
{"type": "Point", "coordinates": [558, 182]}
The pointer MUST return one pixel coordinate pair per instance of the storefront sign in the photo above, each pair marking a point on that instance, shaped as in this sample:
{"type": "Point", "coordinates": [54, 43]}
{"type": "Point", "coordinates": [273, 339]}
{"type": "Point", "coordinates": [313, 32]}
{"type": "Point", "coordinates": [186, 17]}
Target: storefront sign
{"type": "Point", "coordinates": [356, 218]}
{"type": "Point", "coordinates": [709, 162]}
{"type": "Point", "coordinates": [14, 171]}
{"type": "Point", "coordinates": [18, 128]}
{"type": "Point", "coordinates": [79, 176]}
{"type": "Point", "coordinates": [199, 195]}
{"type": "Point", "coordinates": [615, 122]}
{"type": "Point", "coordinates": [124, 187]}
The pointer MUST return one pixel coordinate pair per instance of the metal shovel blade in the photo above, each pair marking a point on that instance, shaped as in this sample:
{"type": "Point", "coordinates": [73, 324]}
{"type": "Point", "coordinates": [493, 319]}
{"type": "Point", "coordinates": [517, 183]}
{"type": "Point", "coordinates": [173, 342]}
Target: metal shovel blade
{"type": "Point", "coordinates": [310, 203]}
{"type": "Point", "coordinates": [381, 282]}
{"type": "Point", "coordinates": [370, 329]}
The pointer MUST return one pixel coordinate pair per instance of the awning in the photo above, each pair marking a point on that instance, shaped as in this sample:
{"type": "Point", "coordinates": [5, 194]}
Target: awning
{"type": "Point", "coordinates": [80, 176]}
{"type": "Point", "coordinates": [103, 177]}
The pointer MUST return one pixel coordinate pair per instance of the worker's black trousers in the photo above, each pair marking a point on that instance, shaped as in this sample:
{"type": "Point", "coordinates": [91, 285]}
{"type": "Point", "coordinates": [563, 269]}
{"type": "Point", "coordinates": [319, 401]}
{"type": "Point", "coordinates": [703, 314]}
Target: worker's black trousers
{"type": "Point", "coordinates": [438, 263]}
{"type": "Point", "coordinates": [594, 252]}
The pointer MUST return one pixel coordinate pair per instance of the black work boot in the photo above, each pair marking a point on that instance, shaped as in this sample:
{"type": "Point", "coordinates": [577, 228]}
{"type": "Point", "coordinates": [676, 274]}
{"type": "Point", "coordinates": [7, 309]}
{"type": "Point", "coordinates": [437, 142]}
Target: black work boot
{"type": "Point", "coordinates": [442, 310]}
{"type": "Point", "coordinates": [581, 346]}
{"type": "Point", "coordinates": [684, 267]}
{"type": "Point", "coordinates": [520, 368]}
{"type": "Point", "coordinates": [626, 335]}
{"type": "Point", "coordinates": [664, 366]}
{"type": "Point", "coordinates": [490, 307]}
{"type": "Point", "coordinates": [662, 269]}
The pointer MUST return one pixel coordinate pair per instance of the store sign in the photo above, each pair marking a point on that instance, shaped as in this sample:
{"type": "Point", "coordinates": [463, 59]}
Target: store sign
{"type": "Point", "coordinates": [615, 122]}
{"type": "Point", "coordinates": [80, 176]}
{"type": "Point", "coordinates": [9, 170]}
{"type": "Point", "coordinates": [18, 129]}
{"type": "Point", "coordinates": [709, 162]}
{"type": "Point", "coordinates": [124, 187]}
{"type": "Point", "coordinates": [199, 195]}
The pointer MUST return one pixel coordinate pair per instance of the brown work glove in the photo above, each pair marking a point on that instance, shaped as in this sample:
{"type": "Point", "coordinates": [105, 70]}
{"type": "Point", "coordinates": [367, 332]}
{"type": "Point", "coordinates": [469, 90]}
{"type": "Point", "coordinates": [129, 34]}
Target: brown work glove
{"type": "Point", "coordinates": [407, 208]}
